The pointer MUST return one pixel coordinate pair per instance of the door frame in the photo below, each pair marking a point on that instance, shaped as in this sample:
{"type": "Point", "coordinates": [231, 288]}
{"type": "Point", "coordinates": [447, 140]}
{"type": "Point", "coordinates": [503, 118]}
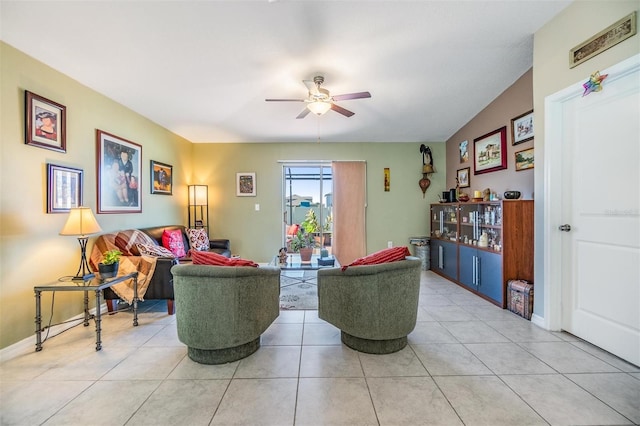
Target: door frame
{"type": "Point", "coordinates": [554, 216]}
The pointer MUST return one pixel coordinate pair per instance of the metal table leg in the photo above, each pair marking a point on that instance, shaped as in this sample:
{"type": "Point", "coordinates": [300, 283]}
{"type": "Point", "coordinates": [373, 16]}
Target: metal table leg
{"type": "Point", "coordinates": [86, 309]}
{"type": "Point", "coordinates": [98, 320]}
{"type": "Point", "coordinates": [38, 322]}
{"type": "Point", "coordinates": [135, 300]}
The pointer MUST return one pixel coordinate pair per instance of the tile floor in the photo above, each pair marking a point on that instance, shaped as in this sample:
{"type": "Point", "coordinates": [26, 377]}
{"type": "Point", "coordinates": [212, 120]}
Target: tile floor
{"type": "Point", "coordinates": [468, 362]}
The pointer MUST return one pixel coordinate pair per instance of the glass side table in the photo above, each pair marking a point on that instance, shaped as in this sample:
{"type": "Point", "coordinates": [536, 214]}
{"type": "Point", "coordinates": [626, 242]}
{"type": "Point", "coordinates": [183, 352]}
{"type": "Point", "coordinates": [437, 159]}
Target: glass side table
{"type": "Point", "coordinates": [95, 284]}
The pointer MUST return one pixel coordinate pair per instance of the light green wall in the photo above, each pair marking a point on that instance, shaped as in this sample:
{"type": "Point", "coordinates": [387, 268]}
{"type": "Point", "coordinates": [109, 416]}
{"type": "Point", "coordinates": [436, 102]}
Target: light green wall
{"type": "Point", "coordinates": [551, 73]}
{"type": "Point", "coordinates": [391, 216]}
{"type": "Point", "coordinates": [31, 251]}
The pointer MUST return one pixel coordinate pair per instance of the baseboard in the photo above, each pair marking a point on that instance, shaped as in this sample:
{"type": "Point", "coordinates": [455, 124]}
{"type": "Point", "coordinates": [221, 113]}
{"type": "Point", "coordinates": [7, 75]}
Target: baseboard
{"type": "Point", "coordinates": [28, 344]}
{"type": "Point", "coordinates": [538, 320]}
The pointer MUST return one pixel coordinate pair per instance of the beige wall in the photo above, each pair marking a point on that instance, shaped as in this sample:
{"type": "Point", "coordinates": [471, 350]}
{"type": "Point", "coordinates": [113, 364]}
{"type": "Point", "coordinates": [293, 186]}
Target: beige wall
{"type": "Point", "coordinates": [391, 216]}
{"type": "Point", "coordinates": [551, 73]}
{"type": "Point", "coordinates": [31, 251]}
{"type": "Point", "coordinates": [514, 101]}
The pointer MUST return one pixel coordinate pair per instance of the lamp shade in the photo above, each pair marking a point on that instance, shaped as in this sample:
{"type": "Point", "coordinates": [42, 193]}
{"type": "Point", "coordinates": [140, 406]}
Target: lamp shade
{"type": "Point", "coordinates": [319, 107]}
{"type": "Point", "coordinates": [198, 195]}
{"type": "Point", "coordinates": [80, 222]}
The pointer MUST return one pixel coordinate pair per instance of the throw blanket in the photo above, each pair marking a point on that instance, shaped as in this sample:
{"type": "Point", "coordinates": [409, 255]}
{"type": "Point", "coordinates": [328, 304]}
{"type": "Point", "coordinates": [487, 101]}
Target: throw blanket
{"type": "Point", "coordinates": [145, 265]}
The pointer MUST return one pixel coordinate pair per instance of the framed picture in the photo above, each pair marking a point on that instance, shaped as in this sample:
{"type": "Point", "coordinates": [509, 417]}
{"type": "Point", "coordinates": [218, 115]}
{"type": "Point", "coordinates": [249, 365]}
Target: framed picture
{"type": "Point", "coordinates": [64, 188]}
{"type": "Point", "coordinates": [464, 151]}
{"type": "Point", "coordinates": [45, 123]}
{"type": "Point", "coordinates": [522, 128]}
{"type": "Point", "coordinates": [609, 37]}
{"type": "Point", "coordinates": [524, 159]}
{"type": "Point", "coordinates": [245, 184]}
{"type": "Point", "coordinates": [161, 178]}
{"type": "Point", "coordinates": [490, 151]}
{"type": "Point", "coordinates": [387, 179]}
{"type": "Point", "coordinates": [463, 177]}
{"type": "Point", "coordinates": [119, 170]}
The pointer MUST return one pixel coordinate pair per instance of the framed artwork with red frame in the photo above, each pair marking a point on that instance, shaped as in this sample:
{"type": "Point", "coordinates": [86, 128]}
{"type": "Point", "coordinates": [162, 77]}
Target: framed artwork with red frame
{"type": "Point", "coordinates": [490, 151]}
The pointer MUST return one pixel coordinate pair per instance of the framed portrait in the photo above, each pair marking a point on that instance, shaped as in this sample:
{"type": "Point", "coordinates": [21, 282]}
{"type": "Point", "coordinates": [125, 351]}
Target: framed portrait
{"type": "Point", "coordinates": [119, 169]}
{"type": "Point", "coordinates": [45, 123]}
{"type": "Point", "coordinates": [464, 151]}
{"type": "Point", "coordinates": [245, 184]}
{"type": "Point", "coordinates": [463, 177]}
{"type": "Point", "coordinates": [524, 159]}
{"type": "Point", "coordinates": [387, 179]}
{"type": "Point", "coordinates": [161, 178]}
{"type": "Point", "coordinates": [490, 151]}
{"type": "Point", "coordinates": [522, 128]}
{"type": "Point", "coordinates": [64, 188]}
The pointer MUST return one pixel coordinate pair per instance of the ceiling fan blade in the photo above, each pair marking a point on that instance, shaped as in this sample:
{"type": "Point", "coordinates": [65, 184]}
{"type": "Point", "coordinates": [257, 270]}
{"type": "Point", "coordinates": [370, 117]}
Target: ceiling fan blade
{"type": "Point", "coordinates": [304, 113]}
{"type": "Point", "coordinates": [346, 96]}
{"type": "Point", "coordinates": [285, 100]}
{"type": "Point", "coordinates": [341, 110]}
{"type": "Point", "coordinates": [311, 86]}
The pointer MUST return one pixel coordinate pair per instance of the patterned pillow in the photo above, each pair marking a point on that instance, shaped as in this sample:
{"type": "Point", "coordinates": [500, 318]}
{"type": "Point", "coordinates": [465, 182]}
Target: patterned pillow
{"type": "Point", "coordinates": [127, 241]}
{"type": "Point", "coordinates": [154, 250]}
{"type": "Point", "coordinates": [215, 259]}
{"type": "Point", "coordinates": [393, 254]}
{"type": "Point", "coordinates": [198, 238]}
{"type": "Point", "coordinates": [172, 240]}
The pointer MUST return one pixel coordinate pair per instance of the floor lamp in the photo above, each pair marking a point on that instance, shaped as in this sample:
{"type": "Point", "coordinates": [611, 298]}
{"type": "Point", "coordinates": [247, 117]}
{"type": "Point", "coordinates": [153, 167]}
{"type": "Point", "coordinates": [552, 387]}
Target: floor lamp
{"type": "Point", "coordinates": [81, 223]}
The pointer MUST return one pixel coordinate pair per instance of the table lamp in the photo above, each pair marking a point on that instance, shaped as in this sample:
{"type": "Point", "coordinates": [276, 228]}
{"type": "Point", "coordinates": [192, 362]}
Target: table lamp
{"type": "Point", "coordinates": [81, 222]}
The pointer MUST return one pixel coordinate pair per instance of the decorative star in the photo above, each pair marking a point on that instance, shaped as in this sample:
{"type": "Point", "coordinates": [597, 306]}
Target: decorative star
{"type": "Point", "coordinates": [594, 84]}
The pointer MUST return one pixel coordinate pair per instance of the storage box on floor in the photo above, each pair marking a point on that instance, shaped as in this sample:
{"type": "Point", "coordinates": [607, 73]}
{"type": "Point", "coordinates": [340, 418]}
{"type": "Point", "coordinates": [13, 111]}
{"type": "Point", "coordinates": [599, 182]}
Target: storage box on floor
{"type": "Point", "coordinates": [520, 298]}
{"type": "Point", "coordinates": [421, 251]}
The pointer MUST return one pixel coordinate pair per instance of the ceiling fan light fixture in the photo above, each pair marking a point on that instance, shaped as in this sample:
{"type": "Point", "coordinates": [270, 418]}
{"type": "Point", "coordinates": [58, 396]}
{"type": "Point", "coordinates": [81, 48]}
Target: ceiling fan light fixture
{"type": "Point", "coordinates": [319, 107]}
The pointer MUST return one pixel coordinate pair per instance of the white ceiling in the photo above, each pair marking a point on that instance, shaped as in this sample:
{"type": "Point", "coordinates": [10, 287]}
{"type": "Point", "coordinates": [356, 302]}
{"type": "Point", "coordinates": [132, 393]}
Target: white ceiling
{"type": "Point", "coordinates": [203, 69]}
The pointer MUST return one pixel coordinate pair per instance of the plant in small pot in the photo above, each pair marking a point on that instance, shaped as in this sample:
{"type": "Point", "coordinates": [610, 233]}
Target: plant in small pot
{"type": "Point", "coordinates": [304, 244]}
{"type": "Point", "coordinates": [108, 268]}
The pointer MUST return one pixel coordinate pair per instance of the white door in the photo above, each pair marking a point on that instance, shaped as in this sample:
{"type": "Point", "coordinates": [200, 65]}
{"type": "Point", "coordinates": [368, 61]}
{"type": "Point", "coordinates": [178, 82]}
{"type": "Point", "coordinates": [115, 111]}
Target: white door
{"type": "Point", "coordinates": [601, 205]}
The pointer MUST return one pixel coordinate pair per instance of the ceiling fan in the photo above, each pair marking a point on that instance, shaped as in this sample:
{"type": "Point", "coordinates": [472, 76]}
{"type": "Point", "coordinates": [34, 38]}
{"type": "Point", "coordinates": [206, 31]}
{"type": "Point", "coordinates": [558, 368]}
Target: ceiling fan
{"type": "Point", "coordinates": [321, 101]}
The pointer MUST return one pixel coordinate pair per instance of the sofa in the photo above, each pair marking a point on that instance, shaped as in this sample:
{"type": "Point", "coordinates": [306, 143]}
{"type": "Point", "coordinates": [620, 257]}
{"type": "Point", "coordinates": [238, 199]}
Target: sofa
{"type": "Point", "coordinates": [160, 281]}
{"type": "Point", "coordinates": [223, 310]}
{"type": "Point", "coordinates": [374, 306]}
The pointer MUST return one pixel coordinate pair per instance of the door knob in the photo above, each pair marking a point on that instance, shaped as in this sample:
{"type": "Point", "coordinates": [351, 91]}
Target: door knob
{"type": "Point", "coordinates": [565, 227]}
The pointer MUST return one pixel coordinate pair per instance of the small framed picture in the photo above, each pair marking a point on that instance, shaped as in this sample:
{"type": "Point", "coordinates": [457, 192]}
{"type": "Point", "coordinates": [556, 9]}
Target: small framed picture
{"type": "Point", "coordinates": [245, 184]}
{"type": "Point", "coordinates": [463, 177]}
{"type": "Point", "coordinates": [45, 123]}
{"type": "Point", "coordinates": [161, 178]}
{"type": "Point", "coordinates": [522, 128]}
{"type": "Point", "coordinates": [524, 159]}
{"type": "Point", "coordinates": [64, 188]}
{"type": "Point", "coordinates": [464, 151]}
{"type": "Point", "coordinates": [119, 168]}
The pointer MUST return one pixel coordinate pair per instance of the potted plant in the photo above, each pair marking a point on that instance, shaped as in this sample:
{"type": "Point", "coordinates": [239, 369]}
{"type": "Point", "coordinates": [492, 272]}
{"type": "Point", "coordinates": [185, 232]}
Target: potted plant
{"type": "Point", "coordinates": [303, 243]}
{"type": "Point", "coordinates": [108, 268]}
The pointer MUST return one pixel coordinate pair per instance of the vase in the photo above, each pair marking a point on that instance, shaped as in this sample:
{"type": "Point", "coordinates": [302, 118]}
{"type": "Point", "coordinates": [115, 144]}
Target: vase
{"type": "Point", "coordinates": [305, 254]}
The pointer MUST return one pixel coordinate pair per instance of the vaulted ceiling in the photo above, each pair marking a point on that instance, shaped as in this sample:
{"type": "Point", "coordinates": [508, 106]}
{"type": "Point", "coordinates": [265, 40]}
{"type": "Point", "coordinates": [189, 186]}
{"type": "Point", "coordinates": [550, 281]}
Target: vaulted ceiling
{"type": "Point", "coordinates": [203, 69]}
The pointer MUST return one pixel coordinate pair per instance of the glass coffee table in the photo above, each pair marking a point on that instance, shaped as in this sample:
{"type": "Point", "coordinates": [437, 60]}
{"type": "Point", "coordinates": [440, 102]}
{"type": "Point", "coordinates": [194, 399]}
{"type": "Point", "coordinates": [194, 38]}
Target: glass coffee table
{"type": "Point", "coordinates": [294, 263]}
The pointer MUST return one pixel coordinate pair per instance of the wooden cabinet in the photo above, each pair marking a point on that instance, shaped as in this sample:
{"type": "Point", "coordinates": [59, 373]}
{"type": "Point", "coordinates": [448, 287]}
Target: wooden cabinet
{"type": "Point", "coordinates": [482, 245]}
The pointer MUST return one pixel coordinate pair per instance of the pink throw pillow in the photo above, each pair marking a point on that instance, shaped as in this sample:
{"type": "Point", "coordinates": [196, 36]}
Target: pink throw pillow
{"type": "Point", "coordinates": [393, 254]}
{"type": "Point", "coordinates": [172, 240]}
{"type": "Point", "coordinates": [215, 259]}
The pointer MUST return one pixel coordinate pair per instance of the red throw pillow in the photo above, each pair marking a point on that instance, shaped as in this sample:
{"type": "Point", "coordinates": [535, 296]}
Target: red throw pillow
{"type": "Point", "coordinates": [172, 240]}
{"type": "Point", "coordinates": [393, 254]}
{"type": "Point", "coordinates": [215, 259]}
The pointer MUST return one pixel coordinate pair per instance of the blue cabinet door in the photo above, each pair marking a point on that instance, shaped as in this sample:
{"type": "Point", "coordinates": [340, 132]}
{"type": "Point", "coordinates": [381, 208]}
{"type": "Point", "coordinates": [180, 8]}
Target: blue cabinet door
{"type": "Point", "coordinates": [467, 258]}
{"type": "Point", "coordinates": [444, 258]}
{"type": "Point", "coordinates": [490, 275]}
